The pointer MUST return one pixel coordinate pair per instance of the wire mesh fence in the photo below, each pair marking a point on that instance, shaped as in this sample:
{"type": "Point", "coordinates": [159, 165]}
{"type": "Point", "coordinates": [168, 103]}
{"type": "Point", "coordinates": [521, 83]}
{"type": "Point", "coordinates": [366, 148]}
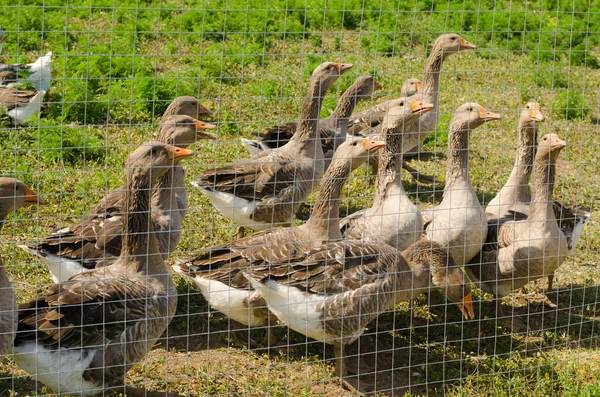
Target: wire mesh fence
{"type": "Point", "coordinates": [447, 247]}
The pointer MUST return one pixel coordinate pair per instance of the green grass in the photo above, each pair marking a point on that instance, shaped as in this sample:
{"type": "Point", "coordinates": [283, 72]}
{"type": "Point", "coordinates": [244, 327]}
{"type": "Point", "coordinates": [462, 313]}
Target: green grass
{"type": "Point", "coordinates": [117, 68]}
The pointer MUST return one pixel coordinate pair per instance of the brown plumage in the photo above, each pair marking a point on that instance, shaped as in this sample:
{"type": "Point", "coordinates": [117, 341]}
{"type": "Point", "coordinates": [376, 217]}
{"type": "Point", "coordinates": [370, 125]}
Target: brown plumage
{"type": "Point", "coordinates": [11, 98]}
{"type": "Point", "coordinates": [338, 289]}
{"type": "Point", "coordinates": [13, 195]}
{"type": "Point", "coordinates": [331, 128]}
{"type": "Point", "coordinates": [96, 239]}
{"type": "Point", "coordinates": [267, 189]}
{"type": "Point", "coordinates": [219, 269]}
{"type": "Point", "coordinates": [527, 249]}
{"type": "Point", "coordinates": [98, 324]}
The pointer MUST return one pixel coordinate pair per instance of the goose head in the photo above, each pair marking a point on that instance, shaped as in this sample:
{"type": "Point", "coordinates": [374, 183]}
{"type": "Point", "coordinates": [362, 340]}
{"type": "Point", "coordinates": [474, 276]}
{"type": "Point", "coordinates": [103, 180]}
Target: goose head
{"type": "Point", "coordinates": [549, 147]}
{"type": "Point", "coordinates": [355, 150]}
{"type": "Point", "coordinates": [152, 160]}
{"type": "Point", "coordinates": [189, 106]}
{"type": "Point", "coordinates": [532, 114]}
{"type": "Point", "coordinates": [455, 285]}
{"type": "Point", "coordinates": [405, 112]}
{"type": "Point", "coordinates": [366, 85]}
{"type": "Point", "coordinates": [411, 87]}
{"type": "Point", "coordinates": [183, 130]}
{"type": "Point", "coordinates": [327, 73]}
{"type": "Point", "coordinates": [14, 194]}
{"type": "Point", "coordinates": [451, 44]}
{"type": "Point", "coordinates": [471, 115]}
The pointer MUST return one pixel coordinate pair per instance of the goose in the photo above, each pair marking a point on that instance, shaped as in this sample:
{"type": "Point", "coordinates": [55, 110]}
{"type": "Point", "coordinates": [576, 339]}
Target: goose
{"type": "Point", "coordinates": [83, 335]}
{"type": "Point", "coordinates": [38, 73]}
{"type": "Point", "coordinates": [13, 195]}
{"type": "Point", "coordinates": [332, 128]}
{"type": "Point", "coordinates": [216, 271]}
{"type": "Point", "coordinates": [513, 200]}
{"type": "Point", "coordinates": [338, 289]}
{"type": "Point", "coordinates": [374, 116]}
{"type": "Point", "coordinates": [21, 104]}
{"type": "Point", "coordinates": [515, 195]}
{"type": "Point", "coordinates": [96, 240]}
{"type": "Point", "coordinates": [519, 251]}
{"type": "Point", "coordinates": [266, 190]}
{"type": "Point", "coordinates": [392, 219]}
{"type": "Point", "coordinates": [445, 45]}
{"type": "Point", "coordinates": [459, 222]}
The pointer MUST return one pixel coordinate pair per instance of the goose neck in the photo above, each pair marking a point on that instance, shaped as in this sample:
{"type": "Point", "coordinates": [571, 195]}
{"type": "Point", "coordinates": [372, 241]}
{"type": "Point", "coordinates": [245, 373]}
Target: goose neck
{"type": "Point", "coordinates": [140, 245]}
{"type": "Point", "coordinates": [542, 188]}
{"type": "Point", "coordinates": [431, 77]}
{"type": "Point", "coordinates": [389, 178]}
{"type": "Point", "coordinates": [457, 167]}
{"type": "Point", "coordinates": [308, 128]}
{"type": "Point", "coordinates": [324, 219]}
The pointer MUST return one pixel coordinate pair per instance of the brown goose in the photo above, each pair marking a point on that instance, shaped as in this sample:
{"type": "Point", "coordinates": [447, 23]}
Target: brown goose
{"type": "Point", "coordinates": [520, 251]}
{"type": "Point", "coordinates": [515, 195]}
{"type": "Point", "coordinates": [372, 117]}
{"type": "Point", "coordinates": [217, 271]}
{"type": "Point", "coordinates": [332, 128]}
{"type": "Point", "coordinates": [13, 195]}
{"type": "Point", "coordinates": [338, 289]}
{"type": "Point", "coordinates": [82, 336]}
{"type": "Point", "coordinates": [513, 200]}
{"type": "Point", "coordinates": [21, 104]}
{"type": "Point", "coordinates": [96, 239]}
{"type": "Point", "coordinates": [459, 223]}
{"type": "Point", "coordinates": [266, 190]}
{"type": "Point", "coordinates": [393, 219]}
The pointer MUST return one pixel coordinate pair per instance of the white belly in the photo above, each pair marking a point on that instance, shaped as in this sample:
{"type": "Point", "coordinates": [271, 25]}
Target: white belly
{"type": "Point", "coordinates": [61, 370]}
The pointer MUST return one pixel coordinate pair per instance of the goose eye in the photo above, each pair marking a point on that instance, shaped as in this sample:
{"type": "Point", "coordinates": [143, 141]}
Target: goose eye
{"type": "Point", "coordinates": [526, 107]}
{"type": "Point", "coordinates": [402, 103]}
{"type": "Point", "coordinates": [470, 109]}
{"type": "Point", "coordinates": [354, 144]}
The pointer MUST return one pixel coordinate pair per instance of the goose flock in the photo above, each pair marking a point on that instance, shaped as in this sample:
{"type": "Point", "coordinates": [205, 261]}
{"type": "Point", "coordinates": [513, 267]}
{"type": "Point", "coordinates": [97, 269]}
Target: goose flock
{"type": "Point", "coordinates": [327, 278]}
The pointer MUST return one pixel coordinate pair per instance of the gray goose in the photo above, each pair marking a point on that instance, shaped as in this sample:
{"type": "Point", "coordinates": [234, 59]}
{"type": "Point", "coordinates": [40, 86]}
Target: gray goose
{"type": "Point", "coordinates": [515, 195]}
{"type": "Point", "coordinates": [266, 190]}
{"type": "Point", "coordinates": [332, 129]}
{"type": "Point", "coordinates": [512, 201]}
{"type": "Point", "coordinates": [217, 270]}
{"type": "Point", "coordinates": [21, 104]}
{"type": "Point", "coordinates": [96, 239]}
{"type": "Point", "coordinates": [392, 219]}
{"type": "Point", "coordinates": [519, 251]}
{"type": "Point", "coordinates": [443, 46]}
{"type": "Point", "coordinates": [83, 335]}
{"type": "Point", "coordinates": [459, 223]}
{"type": "Point", "coordinates": [338, 289]}
{"type": "Point", "coordinates": [13, 195]}
{"type": "Point", "coordinates": [373, 116]}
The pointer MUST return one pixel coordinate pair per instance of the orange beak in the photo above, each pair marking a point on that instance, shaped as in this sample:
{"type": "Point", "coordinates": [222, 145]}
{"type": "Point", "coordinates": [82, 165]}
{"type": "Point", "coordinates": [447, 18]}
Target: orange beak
{"type": "Point", "coordinates": [537, 115]}
{"type": "Point", "coordinates": [177, 154]}
{"type": "Point", "coordinates": [466, 307]}
{"type": "Point", "coordinates": [419, 85]}
{"type": "Point", "coordinates": [372, 146]}
{"type": "Point", "coordinates": [466, 46]}
{"type": "Point", "coordinates": [419, 107]}
{"type": "Point", "coordinates": [488, 116]}
{"type": "Point", "coordinates": [31, 198]}
{"type": "Point", "coordinates": [201, 125]}
{"type": "Point", "coordinates": [378, 86]}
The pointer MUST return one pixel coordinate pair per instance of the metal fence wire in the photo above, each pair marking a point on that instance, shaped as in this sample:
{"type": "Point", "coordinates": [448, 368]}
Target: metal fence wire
{"type": "Point", "coordinates": [300, 198]}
